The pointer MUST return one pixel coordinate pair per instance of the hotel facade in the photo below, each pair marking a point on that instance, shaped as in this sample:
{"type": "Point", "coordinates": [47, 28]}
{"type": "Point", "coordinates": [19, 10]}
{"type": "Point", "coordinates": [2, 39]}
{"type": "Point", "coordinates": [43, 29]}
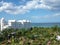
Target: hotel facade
{"type": "Point", "coordinates": [14, 24]}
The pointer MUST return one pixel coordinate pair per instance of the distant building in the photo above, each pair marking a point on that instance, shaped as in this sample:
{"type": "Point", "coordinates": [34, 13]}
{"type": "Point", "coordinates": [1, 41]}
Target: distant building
{"type": "Point", "coordinates": [2, 23]}
{"type": "Point", "coordinates": [14, 24]}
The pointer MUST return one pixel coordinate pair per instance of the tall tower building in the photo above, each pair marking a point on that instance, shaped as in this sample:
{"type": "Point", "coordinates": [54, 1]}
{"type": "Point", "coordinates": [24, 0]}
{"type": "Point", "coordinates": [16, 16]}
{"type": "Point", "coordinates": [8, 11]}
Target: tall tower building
{"type": "Point", "coordinates": [2, 23]}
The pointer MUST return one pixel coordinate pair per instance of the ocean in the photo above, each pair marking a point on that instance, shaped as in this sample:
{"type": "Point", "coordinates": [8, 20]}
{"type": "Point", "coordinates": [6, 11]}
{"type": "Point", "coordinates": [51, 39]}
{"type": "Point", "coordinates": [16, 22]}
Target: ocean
{"type": "Point", "coordinates": [44, 24]}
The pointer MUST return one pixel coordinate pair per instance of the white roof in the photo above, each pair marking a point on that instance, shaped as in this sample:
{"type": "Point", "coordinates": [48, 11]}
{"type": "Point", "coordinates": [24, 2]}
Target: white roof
{"type": "Point", "coordinates": [11, 20]}
{"type": "Point", "coordinates": [23, 21]}
{"type": "Point", "coordinates": [19, 21]}
{"type": "Point", "coordinates": [28, 21]}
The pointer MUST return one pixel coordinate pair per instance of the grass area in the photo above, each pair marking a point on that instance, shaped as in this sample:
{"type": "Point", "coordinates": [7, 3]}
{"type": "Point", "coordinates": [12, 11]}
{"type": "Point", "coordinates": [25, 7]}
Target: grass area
{"type": "Point", "coordinates": [31, 36]}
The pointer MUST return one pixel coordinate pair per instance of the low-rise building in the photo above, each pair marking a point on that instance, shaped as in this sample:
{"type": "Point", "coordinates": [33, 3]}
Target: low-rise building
{"type": "Point", "coordinates": [14, 24]}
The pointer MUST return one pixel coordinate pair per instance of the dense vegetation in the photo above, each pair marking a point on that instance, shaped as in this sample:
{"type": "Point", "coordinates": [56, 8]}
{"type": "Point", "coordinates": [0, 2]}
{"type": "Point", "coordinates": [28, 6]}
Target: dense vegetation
{"type": "Point", "coordinates": [31, 36]}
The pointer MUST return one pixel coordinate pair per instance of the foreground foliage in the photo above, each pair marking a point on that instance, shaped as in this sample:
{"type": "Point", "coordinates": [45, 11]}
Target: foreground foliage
{"type": "Point", "coordinates": [31, 36]}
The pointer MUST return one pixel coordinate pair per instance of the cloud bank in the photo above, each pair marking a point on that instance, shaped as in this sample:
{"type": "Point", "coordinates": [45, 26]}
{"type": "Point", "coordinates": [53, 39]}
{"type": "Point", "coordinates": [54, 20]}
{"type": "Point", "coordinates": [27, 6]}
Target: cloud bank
{"type": "Point", "coordinates": [46, 16]}
{"type": "Point", "coordinates": [33, 4]}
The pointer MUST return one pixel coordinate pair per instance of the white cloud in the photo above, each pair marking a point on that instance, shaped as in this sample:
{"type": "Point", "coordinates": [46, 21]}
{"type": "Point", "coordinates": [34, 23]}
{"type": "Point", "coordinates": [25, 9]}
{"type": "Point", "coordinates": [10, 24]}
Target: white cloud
{"type": "Point", "coordinates": [13, 9]}
{"type": "Point", "coordinates": [5, 6]}
{"type": "Point", "coordinates": [53, 4]}
{"type": "Point", "coordinates": [56, 15]}
{"type": "Point", "coordinates": [46, 16]}
{"type": "Point", "coordinates": [34, 4]}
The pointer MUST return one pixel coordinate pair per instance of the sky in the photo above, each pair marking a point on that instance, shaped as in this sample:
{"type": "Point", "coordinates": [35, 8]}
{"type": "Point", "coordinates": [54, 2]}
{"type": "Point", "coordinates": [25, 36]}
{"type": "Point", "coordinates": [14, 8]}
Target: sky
{"type": "Point", "coordinates": [37, 11]}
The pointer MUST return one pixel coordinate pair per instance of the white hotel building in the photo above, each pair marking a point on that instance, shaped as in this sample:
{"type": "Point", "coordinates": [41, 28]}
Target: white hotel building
{"type": "Point", "coordinates": [14, 24]}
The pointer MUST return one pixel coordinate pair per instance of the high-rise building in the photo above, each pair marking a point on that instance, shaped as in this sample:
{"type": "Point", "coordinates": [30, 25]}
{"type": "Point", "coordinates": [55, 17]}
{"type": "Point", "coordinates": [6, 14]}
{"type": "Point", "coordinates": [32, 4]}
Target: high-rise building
{"type": "Point", "coordinates": [2, 23]}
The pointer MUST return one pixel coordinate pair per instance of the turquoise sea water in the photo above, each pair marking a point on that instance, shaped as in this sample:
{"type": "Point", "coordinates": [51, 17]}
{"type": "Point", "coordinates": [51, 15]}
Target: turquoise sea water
{"type": "Point", "coordinates": [44, 24]}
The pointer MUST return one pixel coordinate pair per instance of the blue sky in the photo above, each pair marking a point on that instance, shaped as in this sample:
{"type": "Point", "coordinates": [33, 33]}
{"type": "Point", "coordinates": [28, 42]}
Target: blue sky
{"type": "Point", "coordinates": [35, 10]}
